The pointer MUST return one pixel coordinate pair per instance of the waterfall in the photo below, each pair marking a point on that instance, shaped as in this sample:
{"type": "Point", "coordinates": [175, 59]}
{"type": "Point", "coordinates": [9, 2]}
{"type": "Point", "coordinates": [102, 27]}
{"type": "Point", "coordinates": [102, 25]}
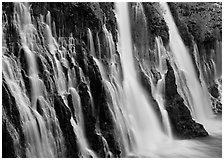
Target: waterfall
{"type": "Point", "coordinates": [158, 90]}
{"type": "Point", "coordinates": [90, 43]}
{"type": "Point", "coordinates": [39, 138]}
{"type": "Point", "coordinates": [79, 126]}
{"type": "Point", "coordinates": [218, 59]}
{"type": "Point", "coordinates": [142, 119]}
{"type": "Point", "coordinates": [43, 135]}
{"type": "Point", "coordinates": [142, 51]}
{"type": "Point", "coordinates": [83, 95]}
{"type": "Point", "coordinates": [201, 109]}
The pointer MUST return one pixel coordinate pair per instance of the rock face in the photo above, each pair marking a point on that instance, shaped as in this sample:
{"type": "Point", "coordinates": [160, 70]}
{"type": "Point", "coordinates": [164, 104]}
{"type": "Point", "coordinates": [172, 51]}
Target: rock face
{"type": "Point", "coordinates": [101, 112]}
{"type": "Point", "coordinates": [216, 96]}
{"type": "Point", "coordinates": [180, 117]}
{"type": "Point", "coordinates": [64, 115]}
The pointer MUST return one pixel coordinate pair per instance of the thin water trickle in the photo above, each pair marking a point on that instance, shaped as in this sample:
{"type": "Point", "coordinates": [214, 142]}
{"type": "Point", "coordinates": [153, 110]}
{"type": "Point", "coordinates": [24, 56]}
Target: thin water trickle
{"type": "Point", "coordinates": [158, 90]}
{"type": "Point", "coordinates": [91, 43]}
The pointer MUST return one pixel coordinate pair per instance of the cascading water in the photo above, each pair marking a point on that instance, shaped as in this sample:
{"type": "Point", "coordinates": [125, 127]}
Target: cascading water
{"type": "Point", "coordinates": [53, 90]}
{"type": "Point", "coordinates": [158, 89]}
{"type": "Point", "coordinates": [39, 138]}
{"type": "Point", "coordinates": [218, 59]}
{"type": "Point", "coordinates": [200, 101]}
{"type": "Point", "coordinates": [142, 119]}
{"type": "Point", "coordinates": [79, 126]}
{"type": "Point", "coordinates": [43, 136]}
{"type": "Point", "coordinates": [90, 43]}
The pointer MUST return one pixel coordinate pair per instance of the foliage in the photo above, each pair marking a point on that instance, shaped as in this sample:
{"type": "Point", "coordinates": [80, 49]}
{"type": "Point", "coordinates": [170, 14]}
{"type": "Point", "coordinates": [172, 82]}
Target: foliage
{"type": "Point", "coordinates": [156, 23]}
{"type": "Point", "coordinates": [182, 27]}
{"type": "Point", "coordinates": [204, 20]}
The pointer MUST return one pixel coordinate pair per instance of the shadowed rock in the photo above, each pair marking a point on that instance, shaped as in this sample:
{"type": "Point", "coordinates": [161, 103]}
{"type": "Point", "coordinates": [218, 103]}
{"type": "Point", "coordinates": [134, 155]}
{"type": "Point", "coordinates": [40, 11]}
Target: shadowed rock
{"type": "Point", "coordinates": [64, 115]}
{"type": "Point", "coordinates": [183, 125]}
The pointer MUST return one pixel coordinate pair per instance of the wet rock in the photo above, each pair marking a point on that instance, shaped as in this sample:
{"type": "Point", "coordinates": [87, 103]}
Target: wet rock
{"type": "Point", "coordinates": [94, 138]}
{"type": "Point", "coordinates": [214, 91]}
{"type": "Point", "coordinates": [216, 106]}
{"type": "Point", "coordinates": [11, 118]}
{"type": "Point", "coordinates": [8, 150]}
{"type": "Point", "coordinates": [70, 60]}
{"type": "Point", "coordinates": [40, 65]}
{"type": "Point", "coordinates": [89, 120]}
{"type": "Point", "coordinates": [23, 61]}
{"type": "Point", "coordinates": [81, 58]}
{"type": "Point", "coordinates": [70, 104]}
{"type": "Point", "coordinates": [27, 83]}
{"type": "Point", "coordinates": [46, 72]}
{"type": "Point", "coordinates": [108, 130]}
{"type": "Point", "coordinates": [64, 115]}
{"type": "Point", "coordinates": [183, 125]}
{"type": "Point", "coordinates": [110, 19]}
{"type": "Point", "coordinates": [78, 74]}
{"type": "Point", "coordinates": [101, 111]}
{"type": "Point", "coordinates": [145, 80]}
{"type": "Point", "coordinates": [100, 101]}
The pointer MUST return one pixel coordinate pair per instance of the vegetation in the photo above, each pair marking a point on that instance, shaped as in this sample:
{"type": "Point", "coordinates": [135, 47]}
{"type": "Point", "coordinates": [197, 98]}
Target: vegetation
{"type": "Point", "coordinates": [203, 20]}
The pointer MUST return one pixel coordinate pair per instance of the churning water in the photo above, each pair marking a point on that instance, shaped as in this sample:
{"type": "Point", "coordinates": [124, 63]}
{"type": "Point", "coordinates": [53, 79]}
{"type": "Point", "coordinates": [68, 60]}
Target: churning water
{"type": "Point", "coordinates": [138, 126]}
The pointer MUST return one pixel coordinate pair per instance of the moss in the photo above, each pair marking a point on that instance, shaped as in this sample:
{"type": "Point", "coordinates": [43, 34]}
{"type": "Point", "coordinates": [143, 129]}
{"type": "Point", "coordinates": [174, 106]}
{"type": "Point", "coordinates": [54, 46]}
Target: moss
{"type": "Point", "coordinates": [186, 36]}
{"type": "Point", "coordinates": [202, 19]}
{"type": "Point", "coordinates": [204, 22]}
{"type": "Point", "coordinates": [156, 23]}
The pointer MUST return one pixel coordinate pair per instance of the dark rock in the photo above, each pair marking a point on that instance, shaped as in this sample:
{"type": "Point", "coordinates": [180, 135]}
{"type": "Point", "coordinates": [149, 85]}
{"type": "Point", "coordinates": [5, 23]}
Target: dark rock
{"type": "Point", "coordinates": [183, 125]}
{"type": "Point", "coordinates": [46, 72]}
{"type": "Point", "coordinates": [101, 105]}
{"type": "Point", "coordinates": [70, 104]}
{"type": "Point", "coordinates": [64, 115]}
{"type": "Point", "coordinates": [94, 139]}
{"type": "Point", "coordinates": [214, 91]}
{"type": "Point", "coordinates": [101, 110]}
{"type": "Point", "coordinates": [78, 74]}
{"type": "Point", "coordinates": [81, 58]}
{"type": "Point", "coordinates": [27, 83]}
{"type": "Point", "coordinates": [23, 62]}
{"type": "Point", "coordinates": [107, 125]}
{"type": "Point", "coordinates": [8, 150]}
{"type": "Point", "coordinates": [216, 106]}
